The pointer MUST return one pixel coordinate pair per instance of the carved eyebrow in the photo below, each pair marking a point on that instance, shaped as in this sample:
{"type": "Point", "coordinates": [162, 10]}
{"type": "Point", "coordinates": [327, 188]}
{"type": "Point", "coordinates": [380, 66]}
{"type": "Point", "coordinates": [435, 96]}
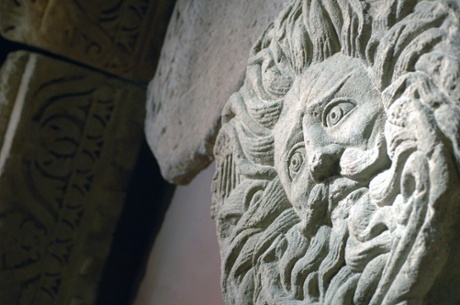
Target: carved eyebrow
{"type": "Point", "coordinates": [326, 97]}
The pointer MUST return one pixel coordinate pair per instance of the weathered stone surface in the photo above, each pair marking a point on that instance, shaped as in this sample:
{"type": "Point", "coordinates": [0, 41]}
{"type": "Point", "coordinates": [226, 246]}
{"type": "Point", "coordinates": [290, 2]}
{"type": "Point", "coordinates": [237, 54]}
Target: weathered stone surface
{"type": "Point", "coordinates": [120, 37]}
{"type": "Point", "coordinates": [202, 63]}
{"type": "Point", "coordinates": [69, 141]}
{"type": "Point", "coordinates": [338, 160]}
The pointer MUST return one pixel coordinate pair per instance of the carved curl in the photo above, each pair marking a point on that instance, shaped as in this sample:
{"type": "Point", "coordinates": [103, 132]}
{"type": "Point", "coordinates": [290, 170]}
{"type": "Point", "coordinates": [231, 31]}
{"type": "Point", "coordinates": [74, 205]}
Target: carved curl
{"type": "Point", "coordinates": [375, 248]}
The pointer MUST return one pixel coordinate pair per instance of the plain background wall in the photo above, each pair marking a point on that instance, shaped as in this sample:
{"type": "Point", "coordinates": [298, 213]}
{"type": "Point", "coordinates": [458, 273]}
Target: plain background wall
{"type": "Point", "coordinates": [184, 265]}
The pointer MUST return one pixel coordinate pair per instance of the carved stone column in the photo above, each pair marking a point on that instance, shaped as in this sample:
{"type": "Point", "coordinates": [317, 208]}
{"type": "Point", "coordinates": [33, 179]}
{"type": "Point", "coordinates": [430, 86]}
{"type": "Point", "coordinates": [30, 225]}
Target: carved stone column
{"type": "Point", "coordinates": [68, 141]}
{"type": "Point", "coordinates": [338, 160]}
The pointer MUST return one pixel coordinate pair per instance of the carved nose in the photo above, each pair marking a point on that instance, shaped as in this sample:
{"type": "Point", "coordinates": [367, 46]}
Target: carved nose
{"type": "Point", "coordinates": [325, 162]}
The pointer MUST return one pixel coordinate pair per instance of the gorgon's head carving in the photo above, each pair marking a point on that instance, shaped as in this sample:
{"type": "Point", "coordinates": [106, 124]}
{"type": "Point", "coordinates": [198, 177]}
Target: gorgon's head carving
{"type": "Point", "coordinates": [338, 158]}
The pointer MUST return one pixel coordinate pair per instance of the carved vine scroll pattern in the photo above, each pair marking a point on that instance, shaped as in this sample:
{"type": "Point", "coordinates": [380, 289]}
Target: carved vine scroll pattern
{"type": "Point", "coordinates": [111, 35]}
{"type": "Point", "coordinates": [116, 33]}
{"type": "Point", "coordinates": [72, 132]}
{"type": "Point", "coordinates": [57, 231]}
{"type": "Point", "coordinates": [344, 139]}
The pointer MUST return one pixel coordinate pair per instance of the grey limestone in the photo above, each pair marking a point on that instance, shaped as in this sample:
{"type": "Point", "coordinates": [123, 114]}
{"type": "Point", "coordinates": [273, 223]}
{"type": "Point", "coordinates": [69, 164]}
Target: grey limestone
{"type": "Point", "coordinates": [338, 160]}
{"type": "Point", "coordinates": [202, 62]}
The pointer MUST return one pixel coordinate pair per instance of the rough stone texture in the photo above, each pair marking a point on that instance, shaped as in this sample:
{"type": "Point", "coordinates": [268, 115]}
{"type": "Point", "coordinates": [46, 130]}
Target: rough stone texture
{"type": "Point", "coordinates": [338, 160]}
{"type": "Point", "coordinates": [70, 140]}
{"type": "Point", "coordinates": [120, 37]}
{"type": "Point", "coordinates": [202, 63]}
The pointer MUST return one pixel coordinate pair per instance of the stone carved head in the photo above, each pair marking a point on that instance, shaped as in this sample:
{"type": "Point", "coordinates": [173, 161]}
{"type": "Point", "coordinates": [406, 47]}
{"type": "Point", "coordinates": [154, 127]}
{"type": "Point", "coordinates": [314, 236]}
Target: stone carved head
{"type": "Point", "coordinates": [338, 160]}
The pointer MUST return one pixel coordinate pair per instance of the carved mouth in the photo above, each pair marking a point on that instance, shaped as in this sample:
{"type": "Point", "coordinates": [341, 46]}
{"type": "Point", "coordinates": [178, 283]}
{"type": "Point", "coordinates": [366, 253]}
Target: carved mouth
{"type": "Point", "coordinates": [341, 188]}
{"type": "Point", "coordinates": [325, 197]}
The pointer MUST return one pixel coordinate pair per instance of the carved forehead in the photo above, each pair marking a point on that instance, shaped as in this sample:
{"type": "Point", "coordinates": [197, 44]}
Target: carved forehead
{"type": "Point", "coordinates": [326, 77]}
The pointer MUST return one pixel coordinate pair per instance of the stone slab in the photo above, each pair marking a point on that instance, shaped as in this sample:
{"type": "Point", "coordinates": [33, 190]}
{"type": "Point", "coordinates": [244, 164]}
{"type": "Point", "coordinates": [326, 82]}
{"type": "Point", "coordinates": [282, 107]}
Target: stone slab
{"type": "Point", "coordinates": [70, 141]}
{"type": "Point", "coordinates": [202, 62]}
{"type": "Point", "coordinates": [120, 37]}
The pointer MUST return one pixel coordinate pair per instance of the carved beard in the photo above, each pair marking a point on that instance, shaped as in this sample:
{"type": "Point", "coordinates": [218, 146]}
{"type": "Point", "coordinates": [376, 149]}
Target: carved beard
{"type": "Point", "coordinates": [359, 245]}
{"type": "Point", "coordinates": [308, 262]}
{"type": "Point", "coordinates": [363, 241]}
{"type": "Point", "coordinates": [383, 241]}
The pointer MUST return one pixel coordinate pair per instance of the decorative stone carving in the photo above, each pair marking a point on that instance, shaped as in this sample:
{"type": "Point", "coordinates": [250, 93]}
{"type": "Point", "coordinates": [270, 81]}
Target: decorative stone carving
{"type": "Point", "coordinates": [202, 63]}
{"type": "Point", "coordinates": [338, 159]}
{"type": "Point", "coordinates": [120, 37]}
{"type": "Point", "coordinates": [68, 146]}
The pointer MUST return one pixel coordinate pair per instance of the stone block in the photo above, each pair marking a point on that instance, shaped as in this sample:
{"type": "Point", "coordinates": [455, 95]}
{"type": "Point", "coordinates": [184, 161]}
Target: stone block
{"type": "Point", "coordinates": [69, 143]}
{"type": "Point", "coordinates": [120, 37]}
{"type": "Point", "coordinates": [338, 160]}
{"type": "Point", "coordinates": [202, 62]}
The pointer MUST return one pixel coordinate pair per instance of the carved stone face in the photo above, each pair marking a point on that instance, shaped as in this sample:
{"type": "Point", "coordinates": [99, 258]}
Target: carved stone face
{"type": "Point", "coordinates": [332, 110]}
{"type": "Point", "coordinates": [335, 187]}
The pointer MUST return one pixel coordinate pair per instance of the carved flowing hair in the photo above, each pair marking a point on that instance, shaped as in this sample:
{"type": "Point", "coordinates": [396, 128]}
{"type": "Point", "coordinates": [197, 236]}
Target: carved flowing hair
{"type": "Point", "coordinates": [402, 42]}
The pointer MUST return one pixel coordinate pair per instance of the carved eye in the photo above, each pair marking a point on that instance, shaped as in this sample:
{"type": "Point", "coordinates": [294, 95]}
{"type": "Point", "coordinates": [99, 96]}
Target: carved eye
{"type": "Point", "coordinates": [296, 160]}
{"type": "Point", "coordinates": [334, 113]}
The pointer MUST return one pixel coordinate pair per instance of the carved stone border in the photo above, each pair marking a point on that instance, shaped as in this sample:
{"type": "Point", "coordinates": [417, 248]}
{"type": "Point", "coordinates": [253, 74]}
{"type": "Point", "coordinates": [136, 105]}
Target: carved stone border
{"type": "Point", "coordinates": [69, 146]}
{"type": "Point", "coordinates": [121, 37]}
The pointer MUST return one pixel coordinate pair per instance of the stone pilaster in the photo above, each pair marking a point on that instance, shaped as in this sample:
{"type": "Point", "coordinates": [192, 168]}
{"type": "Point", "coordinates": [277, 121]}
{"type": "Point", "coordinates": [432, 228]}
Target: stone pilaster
{"type": "Point", "coordinates": [69, 140]}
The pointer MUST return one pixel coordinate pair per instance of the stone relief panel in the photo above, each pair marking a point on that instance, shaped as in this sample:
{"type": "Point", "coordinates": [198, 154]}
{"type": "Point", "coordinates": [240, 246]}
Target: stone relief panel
{"type": "Point", "coordinates": [338, 160]}
{"type": "Point", "coordinates": [69, 145]}
{"type": "Point", "coordinates": [115, 36]}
